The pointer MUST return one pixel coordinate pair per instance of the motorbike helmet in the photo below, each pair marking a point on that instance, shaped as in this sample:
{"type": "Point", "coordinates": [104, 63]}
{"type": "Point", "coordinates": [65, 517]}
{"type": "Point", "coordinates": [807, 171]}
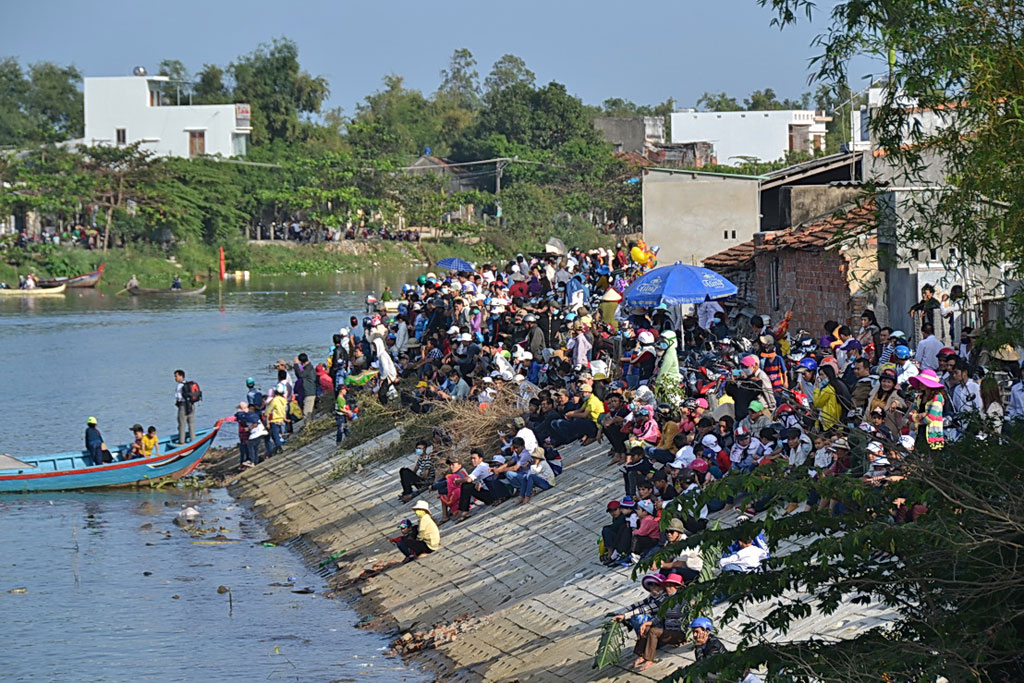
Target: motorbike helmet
{"type": "Point", "coordinates": [645, 337]}
{"type": "Point", "coordinates": [250, 382]}
{"type": "Point", "coordinates": [902, 352]}
{"type": "Point", "coordinates": [702, 622]}
{"type": "Point", "coordinates": [421, 280]}
{"type": "Point", "coordinates": [809, 364]}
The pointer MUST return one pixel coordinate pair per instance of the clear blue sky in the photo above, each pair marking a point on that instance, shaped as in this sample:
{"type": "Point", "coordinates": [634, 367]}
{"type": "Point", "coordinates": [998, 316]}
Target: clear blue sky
{"type": "Point", "coordinates": [643, 51]}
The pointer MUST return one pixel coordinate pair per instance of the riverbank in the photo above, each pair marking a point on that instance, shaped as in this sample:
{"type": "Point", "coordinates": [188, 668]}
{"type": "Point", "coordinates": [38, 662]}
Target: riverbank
{"type": "Point", "coordinates": [155, 266]}
{"type": "Point", "coordinates": [514, 593]}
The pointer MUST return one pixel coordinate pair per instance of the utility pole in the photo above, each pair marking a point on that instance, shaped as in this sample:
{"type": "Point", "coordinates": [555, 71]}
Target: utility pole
{"type": "Point", "coordinates": [499, 166]}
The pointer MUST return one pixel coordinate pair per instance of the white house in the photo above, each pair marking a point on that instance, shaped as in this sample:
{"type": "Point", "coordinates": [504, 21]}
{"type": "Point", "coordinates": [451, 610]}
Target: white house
{"type": "Point", "coordinates": [121, 110]}
{"type": "Point", "coordinates": [766, 135]}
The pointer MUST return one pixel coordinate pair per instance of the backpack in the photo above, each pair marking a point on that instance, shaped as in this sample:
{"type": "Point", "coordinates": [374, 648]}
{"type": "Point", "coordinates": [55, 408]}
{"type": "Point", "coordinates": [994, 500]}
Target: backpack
{"type": "Point", "coordinates": [191, 392]}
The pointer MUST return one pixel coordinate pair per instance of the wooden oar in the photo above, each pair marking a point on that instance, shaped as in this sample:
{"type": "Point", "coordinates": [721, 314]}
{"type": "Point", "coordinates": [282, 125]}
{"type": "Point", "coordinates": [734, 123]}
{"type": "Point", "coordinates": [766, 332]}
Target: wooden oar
{"type": "Point", "coordinates": [121, 291]}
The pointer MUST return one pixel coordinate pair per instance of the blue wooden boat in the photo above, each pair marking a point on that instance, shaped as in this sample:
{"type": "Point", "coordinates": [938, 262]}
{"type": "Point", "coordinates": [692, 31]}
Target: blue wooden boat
{"type": "Point", "coordinates": [66, 471]}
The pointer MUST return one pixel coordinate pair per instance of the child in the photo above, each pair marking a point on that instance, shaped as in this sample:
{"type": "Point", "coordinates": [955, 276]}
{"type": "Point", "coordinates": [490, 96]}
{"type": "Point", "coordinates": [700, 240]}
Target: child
{"type": "Point", "coordinates": [150, 443]}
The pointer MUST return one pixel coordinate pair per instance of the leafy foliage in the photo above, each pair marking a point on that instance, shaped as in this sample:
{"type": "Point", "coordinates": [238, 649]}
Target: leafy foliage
{"type": "Point", "coordinates": [609, 648]}
{"type": "Point", "coordinates": [950, 578]}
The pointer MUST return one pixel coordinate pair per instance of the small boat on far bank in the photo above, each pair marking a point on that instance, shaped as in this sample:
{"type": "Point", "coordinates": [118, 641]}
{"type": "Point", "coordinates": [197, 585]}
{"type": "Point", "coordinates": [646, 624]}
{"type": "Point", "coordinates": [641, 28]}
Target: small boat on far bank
{"type": "Point", "coordinates": [78, 281]}
{"type": "Point", "coordinates": [146, 291]}
{"type": "Point", "coordinates": [37, 291]}
{"type": "Point", "coordinates": [68, 471]}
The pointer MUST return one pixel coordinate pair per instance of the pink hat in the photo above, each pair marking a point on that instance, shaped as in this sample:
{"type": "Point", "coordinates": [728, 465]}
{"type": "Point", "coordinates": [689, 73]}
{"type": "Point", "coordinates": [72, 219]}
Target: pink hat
{"type": "Point", "coordinates": [749, 361]}
{"type": "Point", "coordinates": [703, 403]}
{"type": "Point", "coordinates": [927, 379]}
{"type": "Point", "coordinates": [673, 580]}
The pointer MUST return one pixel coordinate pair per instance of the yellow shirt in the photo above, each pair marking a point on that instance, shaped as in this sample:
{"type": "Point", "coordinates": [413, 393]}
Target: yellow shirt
{"type": "Point", "coordinates": [429, 533]}
{"type": "Point", "coordinates": [593, 407]}
{"type": "Point", "coordinates": [149, 444]}
{"type": "Point", "coordinates": [277, 409]}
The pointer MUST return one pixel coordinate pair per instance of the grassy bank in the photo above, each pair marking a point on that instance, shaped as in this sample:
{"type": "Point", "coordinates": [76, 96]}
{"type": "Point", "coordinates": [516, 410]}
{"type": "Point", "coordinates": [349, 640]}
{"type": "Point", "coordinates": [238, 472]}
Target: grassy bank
{"type": "Point", "coordinates": [155, 266]}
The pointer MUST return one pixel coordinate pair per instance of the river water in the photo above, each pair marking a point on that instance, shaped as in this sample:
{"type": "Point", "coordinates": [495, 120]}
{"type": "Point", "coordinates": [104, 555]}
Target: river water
{"type": "Point", "coordinates": [113, 357]}
{"type": "Point", "coordinates": [89, 611]}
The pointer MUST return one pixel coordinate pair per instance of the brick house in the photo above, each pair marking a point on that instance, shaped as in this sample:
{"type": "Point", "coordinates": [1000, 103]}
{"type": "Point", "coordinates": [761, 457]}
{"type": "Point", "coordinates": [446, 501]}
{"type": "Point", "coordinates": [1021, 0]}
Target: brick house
{"type": "Point", "coordinates": [823, 269]}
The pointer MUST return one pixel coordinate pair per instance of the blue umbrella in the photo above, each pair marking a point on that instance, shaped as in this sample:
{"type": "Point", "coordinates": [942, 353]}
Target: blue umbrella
{"type": "Point", "coordinates": [457, 264]}
{"type": "Point", "coordinates": [677, 284]}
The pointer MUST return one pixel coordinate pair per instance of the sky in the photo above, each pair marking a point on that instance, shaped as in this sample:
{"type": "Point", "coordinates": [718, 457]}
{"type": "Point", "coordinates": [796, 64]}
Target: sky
{"type": "Point", "coordinates": [644, 51]}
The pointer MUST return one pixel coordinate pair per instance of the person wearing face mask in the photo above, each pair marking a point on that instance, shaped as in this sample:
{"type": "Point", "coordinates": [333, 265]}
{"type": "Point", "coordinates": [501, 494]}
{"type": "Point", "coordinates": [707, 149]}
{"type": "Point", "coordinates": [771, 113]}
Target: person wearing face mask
{"type": "Point", "coordinates": [420, 476]}
{"type": "Point", "coordinates": [755, 379]}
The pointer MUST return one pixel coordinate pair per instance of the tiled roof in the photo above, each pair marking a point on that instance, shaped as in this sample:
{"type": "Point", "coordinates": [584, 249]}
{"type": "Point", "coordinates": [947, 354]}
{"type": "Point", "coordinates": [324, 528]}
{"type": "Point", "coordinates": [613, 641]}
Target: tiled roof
{"type": "Point", "coordinates": [818, 233]}
{"type": "Point", "coordinates": [733, 258]}
{"type": "Point", "coordinates": [632, 158]}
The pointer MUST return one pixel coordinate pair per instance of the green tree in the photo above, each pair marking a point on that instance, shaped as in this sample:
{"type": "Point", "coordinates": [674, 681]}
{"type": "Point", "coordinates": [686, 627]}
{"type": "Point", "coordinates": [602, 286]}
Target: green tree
{"type": "Point", "coordinates": [718, 101]}
{"type": "Point", "coordinates": [210, 86]}
{"type": "Point", "coordinates": [505, 72]}
{"type": "Point", "coordinates": [43, 104]}
{"type": "Point", "coordinates": [273, 82]}
{"type": "Point", "coordinates": [394, 121]}
{"type": "Point", "coordinates": [123, 180]}
{"type": "Point", "coordinates": [767, 100]}
{"type": "Point", "coordinates": [460, 82]}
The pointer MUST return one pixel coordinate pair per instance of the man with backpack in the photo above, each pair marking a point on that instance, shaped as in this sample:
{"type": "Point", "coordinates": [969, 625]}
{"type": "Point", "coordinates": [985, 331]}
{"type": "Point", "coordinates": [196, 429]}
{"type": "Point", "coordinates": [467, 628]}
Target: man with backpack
{"type": "Point", "coordinates": [186, 395]}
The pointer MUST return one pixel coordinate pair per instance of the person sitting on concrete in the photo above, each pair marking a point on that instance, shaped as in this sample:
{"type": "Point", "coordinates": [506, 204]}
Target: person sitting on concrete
{"type": "Point", "coordinates": [539, 475]}
{"type": "Point", "coordinates": [689, 562]}
{"type": "Point", "coordinates": [420, 476]}
{"type": "Point", "coordinates": [704, 644]}
{"type": "Point", "coordinates": [474, 485]}
{"type": "Point", "coordinates": [639, 613]}
{"type": "Point", "coordinates": [615, 535]}
{"type": "Point", "coordinates": [518, 464]}
{"type": "Point", "coordinates": [648, 532]}
{"type": "Point", "coordinates": [746, 556]}
{"type": "Point", "coordinates": [664, 630]}
{"type": "Point", "coordinates": [636, 469]}
{"type": "Point", "coordinates": [428, 536]}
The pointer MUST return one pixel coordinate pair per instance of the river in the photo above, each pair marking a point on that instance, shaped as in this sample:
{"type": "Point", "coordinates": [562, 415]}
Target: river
{"type": "Point", "coordinates": [113, 357]}
{"type": "Point", "coordinates": [100, 570]}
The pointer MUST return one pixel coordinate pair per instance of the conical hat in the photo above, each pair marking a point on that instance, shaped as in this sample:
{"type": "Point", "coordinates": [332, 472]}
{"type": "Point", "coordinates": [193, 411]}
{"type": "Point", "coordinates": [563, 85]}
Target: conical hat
{"type": "Point", "coordinates": [611, 295]}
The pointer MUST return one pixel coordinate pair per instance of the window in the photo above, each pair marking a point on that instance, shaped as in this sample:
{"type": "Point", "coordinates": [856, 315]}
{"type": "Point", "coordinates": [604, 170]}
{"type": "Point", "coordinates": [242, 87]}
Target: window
{"type": "Point", "coordinates": [734, 234]}
{"type": "Point", "coordinates": [196, 143]}
{"type": "Point", "coordinates": [933, 254]}
{"type": "Point", "coordinates": [121, 134]}
{"type": "Point", "coordinates": [725, 234]}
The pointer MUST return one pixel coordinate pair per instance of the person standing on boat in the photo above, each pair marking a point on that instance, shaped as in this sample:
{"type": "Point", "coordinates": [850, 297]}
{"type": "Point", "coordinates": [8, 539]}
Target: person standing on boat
{"type": "Point", "coordinates": [186, 409]}
{"type": "Point", "coordinates": [94, 441]}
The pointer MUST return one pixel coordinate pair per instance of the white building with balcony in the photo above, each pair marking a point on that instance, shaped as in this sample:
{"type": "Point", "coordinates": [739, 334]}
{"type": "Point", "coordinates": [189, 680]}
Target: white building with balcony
{"type": "Point", "coordinates": [122, 110]}
{"type": "Point", "coordinates": [765, 135]}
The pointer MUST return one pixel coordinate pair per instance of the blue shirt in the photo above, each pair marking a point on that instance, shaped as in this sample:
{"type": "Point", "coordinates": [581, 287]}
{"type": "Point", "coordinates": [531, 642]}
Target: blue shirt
{"type": "Point", "coordinates": [92, 436]}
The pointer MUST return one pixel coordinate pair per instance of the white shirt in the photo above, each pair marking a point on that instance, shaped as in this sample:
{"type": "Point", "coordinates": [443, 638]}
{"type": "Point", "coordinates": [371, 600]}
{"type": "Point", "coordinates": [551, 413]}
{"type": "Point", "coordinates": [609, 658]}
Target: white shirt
{"type": "Point", "coordinates": [748, 559]}
{"type": "Point", "coordinates": [906, 372]}
{"type": "Point", "coordinates": [928, 352]}
{"type": "Point", "coordinates": [706, 313]}
{"type": "Point", "coordinates": [543, 470]}
{"type": "Point", "coordinates": [177, 392]}
{"type": "Point", "coordinates": [966, 397]}
{"type": "Point", "coordinates": [528, 437]}
{"type": "Point", "coordinates": [480, 472]}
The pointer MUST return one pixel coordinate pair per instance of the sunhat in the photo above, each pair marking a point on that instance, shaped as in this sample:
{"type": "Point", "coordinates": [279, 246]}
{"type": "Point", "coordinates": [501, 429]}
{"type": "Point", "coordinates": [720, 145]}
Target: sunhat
{"type": "Point", "coordinates": [926, 379]}
{"type": "Point", "coordinates": [421, 505]}
{"type": "Point", "coordinates": [673, 580]}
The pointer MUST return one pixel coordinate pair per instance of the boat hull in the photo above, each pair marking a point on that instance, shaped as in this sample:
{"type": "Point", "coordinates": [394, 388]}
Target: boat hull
{"type": "Point", "coordinates": [69, 471]}
{"type": "Point", "coordinates": [38, 291]}
{"type": "Point", "coordinates": [79, 281]}
{"type": "Point", "coordinates": [142, 291]}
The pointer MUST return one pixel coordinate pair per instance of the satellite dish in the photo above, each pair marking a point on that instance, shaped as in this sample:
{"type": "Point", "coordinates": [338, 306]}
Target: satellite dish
{"type": "Point", "coordinates": [139, 71]}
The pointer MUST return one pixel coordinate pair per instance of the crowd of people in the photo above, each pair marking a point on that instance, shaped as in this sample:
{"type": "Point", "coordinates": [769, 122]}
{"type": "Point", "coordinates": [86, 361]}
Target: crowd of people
{"type": "Point", "coordinates": [310, 234]}
{"type": "Point", "coordinates": [681, 396]}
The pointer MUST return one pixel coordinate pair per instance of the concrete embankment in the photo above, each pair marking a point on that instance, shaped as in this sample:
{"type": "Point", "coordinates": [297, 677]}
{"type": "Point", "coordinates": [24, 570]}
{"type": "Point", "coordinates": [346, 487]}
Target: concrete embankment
{"type": "Point", "coordinates": [528, 576]}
